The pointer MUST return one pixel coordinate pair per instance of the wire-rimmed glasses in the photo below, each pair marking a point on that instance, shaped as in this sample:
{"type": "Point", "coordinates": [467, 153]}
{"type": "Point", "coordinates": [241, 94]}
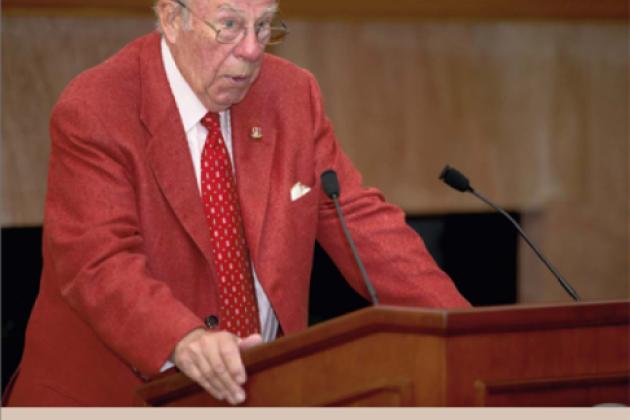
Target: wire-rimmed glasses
{"type": "Point", "coordinates": [232, 27]}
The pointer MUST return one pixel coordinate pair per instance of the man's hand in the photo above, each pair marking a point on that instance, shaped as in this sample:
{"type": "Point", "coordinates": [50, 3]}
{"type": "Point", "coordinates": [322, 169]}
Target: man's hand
{"type": "Point", "coordinates": [213, 360]}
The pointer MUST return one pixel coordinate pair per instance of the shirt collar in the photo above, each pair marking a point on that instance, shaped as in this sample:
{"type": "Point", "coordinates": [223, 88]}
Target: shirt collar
{"type": "Point", "coordinates": [190, 108]}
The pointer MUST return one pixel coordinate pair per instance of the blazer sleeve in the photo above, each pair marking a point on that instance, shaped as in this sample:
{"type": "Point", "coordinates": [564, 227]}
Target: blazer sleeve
{"type": "Point", "coordinates": [394, 255]}
{"type": "Point", "coordinates": [92, 233]}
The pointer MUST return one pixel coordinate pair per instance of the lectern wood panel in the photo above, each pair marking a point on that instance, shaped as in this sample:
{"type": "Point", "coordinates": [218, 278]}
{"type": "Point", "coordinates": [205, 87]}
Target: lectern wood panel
{"type": "Point", "coordinates": [565, 392]}
{"type": "Point", "coordinates": [573, 354]}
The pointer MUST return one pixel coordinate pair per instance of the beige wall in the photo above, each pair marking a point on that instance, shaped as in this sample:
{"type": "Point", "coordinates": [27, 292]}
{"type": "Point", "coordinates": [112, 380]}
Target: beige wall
{"type": "Point", "coordinates": [40, 55]}
{"type": "Point", "coordinates": [535, 112]}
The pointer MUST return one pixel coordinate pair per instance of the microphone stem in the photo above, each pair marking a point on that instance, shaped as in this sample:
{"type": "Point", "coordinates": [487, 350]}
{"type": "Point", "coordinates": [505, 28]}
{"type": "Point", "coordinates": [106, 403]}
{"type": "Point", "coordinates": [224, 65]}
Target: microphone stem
{"type": "Point", "coordinates": [355, 253]}
{"type": "Point", "coordinates": [563, 283]}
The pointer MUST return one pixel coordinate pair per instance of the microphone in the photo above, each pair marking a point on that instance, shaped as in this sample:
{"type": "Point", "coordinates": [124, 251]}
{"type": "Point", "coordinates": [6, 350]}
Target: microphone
{"type": "Point", "coordinates": [455, 179]}
{"type": "Point", "coordinates": [330, 185]}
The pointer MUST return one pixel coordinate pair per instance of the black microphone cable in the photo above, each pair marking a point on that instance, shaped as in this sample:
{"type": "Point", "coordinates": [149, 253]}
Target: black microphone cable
{"type": "Point", "coordinates": [455, 179]}
{"type": "Point", "coordinates": [330, 185]}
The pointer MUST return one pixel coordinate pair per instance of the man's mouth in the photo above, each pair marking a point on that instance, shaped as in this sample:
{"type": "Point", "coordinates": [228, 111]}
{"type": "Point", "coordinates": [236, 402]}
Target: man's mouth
{"type": "Point", "coordinates": [238, 79]}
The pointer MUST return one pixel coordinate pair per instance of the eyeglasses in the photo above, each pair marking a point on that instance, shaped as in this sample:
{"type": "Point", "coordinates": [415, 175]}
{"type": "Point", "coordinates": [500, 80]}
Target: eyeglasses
{"type": "Point", "coordinates": [232, 27]}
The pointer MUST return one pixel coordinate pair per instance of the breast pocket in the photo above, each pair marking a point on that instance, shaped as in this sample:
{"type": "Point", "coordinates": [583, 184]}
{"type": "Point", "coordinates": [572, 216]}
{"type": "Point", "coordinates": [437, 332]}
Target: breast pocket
{"type": "Point", "coordinates": [302, 213]}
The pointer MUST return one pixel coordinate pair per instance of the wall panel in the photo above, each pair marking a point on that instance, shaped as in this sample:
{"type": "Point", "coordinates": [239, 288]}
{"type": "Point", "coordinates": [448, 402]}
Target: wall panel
{"type": "Point", "coordinates": [374, 9]}
{"type": "Point", "coordinates": [535, 112]}
{"type": "Point", "coordinates": [40, 55]}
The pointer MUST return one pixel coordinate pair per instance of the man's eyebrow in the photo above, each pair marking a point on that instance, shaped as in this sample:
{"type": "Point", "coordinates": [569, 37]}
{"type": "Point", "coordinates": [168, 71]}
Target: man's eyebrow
{"type": "Point", "coordinates": [228, 7]}
{"type": "Point", "coordinates": [273, 9]}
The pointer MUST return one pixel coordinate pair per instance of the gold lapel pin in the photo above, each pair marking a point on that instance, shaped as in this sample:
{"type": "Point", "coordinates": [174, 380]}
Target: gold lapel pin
{"type": "Point", "coordinates": [256, 133]}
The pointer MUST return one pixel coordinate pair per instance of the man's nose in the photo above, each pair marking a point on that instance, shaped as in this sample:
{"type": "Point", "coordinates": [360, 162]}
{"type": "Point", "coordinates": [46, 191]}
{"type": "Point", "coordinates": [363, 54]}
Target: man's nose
{"type": "Point", "coordinates": [248, 48]}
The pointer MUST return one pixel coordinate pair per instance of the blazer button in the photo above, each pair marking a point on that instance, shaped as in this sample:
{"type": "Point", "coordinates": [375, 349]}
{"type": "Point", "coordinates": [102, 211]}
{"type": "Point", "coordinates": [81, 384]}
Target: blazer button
{"type": "Point", "coordinates": [212, 321]}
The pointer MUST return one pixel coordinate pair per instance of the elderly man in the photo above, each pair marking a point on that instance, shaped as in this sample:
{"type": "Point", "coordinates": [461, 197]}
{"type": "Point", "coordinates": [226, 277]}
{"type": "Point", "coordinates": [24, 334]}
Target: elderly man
{"type": "Point", "coordinates": [183, 206]}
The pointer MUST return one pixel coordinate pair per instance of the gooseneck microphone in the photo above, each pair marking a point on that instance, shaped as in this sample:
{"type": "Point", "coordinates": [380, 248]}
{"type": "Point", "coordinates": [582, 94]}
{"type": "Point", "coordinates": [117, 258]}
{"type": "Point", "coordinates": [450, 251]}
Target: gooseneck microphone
{"type": "Point", "coordinates": [330, 185]}
{"type": "Point", "coordinates": [458, 181]}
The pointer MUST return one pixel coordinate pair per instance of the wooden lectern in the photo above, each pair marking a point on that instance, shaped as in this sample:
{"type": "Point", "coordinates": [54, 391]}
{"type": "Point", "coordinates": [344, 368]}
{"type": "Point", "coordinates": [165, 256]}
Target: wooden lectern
{"type": "Point", "coordinates": [535, 355]}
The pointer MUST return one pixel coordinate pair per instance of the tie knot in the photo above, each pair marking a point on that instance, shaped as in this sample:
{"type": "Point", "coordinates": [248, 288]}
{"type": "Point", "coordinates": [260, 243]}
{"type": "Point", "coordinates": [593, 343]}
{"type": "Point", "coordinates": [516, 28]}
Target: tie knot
{"type": "Point", "coordinates": [211, 121]}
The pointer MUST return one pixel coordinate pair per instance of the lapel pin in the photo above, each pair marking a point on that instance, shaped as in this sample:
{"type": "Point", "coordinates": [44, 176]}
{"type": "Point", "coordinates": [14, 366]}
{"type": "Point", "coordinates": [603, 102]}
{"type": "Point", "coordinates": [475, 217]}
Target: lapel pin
{"type": "Point", "coordinates": [256, 133]}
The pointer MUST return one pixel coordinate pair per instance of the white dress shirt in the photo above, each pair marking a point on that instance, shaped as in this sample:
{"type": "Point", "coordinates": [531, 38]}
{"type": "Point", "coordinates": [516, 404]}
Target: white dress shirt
{"type": "Point", "coordinates": [191, 111]}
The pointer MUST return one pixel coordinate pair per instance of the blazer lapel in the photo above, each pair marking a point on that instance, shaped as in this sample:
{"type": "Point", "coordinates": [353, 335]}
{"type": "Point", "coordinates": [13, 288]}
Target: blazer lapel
{"type": "Point", "coordinates": [168, 152]}
{"type": "Point", "coordinates": [253, 159]}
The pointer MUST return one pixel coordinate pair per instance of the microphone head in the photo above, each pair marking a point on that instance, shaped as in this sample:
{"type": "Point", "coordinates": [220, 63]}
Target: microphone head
{"type": "Point", "coordinates": [455, 179]}
{"type": "Point", "coordinates": [330, 183]}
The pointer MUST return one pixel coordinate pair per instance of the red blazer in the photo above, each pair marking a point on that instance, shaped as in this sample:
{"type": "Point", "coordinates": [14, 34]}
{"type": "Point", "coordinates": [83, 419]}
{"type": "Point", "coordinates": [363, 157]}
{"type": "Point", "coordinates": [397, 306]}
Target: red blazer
{"type": "Point", "coordinates": [127, 260]}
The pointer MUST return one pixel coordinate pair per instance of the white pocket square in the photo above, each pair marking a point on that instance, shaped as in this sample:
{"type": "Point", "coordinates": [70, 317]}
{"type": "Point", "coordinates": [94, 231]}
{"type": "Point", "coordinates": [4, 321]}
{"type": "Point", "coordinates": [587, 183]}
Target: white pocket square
{"type": "Point", "coordinates": [299, 190]}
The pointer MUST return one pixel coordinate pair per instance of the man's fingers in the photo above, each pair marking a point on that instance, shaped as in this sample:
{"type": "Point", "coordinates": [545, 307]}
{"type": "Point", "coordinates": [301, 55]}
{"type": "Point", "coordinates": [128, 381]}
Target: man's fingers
{"type": "Point", "coordinates": [213, 360]}
{"type": "Point", "coordinates": [191, 370]}
{"type": "Point", "coordinates": [231, 356]}
{"type": "Point", "coordinates": [225, 361]}
{"type": "Point", "coordinates": [212, 383]}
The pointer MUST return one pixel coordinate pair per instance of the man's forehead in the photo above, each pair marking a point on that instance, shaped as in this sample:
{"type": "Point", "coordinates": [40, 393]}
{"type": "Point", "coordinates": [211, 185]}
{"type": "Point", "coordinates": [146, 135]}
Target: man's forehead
{"type": "Point", "coordinates": [266, 6]}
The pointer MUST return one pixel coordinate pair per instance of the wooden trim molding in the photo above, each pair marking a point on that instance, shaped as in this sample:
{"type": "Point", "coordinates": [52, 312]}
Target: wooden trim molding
{"type": "Point", "coordinates": [369, 9]}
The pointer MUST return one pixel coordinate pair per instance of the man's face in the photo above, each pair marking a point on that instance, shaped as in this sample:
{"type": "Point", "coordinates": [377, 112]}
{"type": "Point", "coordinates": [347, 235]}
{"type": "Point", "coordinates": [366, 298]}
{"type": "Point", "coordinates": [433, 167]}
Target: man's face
{"type": "Point", "coordinates": [219, 74]}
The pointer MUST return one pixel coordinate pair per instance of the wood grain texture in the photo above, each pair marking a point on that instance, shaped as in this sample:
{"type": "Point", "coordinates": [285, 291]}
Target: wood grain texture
{"type": "Point", "coordinates": [492, 99]}
{"type": "Point", "coordinates": [585, 229]}
{"type": "Point", "coordinates": [40, 55]}
{"type": "Point", "coordinates": [358, 359]}
{"type": "Point", "coordinates": [555, 392]}
{"type": "Point", "coordinates": [378, 9]}
{"type": "Point", "coordinates": [534, 112]}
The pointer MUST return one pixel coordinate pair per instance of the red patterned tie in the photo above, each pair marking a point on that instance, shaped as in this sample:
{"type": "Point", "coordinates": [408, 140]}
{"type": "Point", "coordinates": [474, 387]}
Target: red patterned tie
{"type": "Point", "coordinates": [238, 311]}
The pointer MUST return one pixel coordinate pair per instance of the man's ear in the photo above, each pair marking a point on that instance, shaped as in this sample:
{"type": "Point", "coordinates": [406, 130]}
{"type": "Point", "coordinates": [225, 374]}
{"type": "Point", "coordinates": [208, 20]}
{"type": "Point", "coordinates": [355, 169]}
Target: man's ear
{"type": "Point", "coordinates": [170, 16]}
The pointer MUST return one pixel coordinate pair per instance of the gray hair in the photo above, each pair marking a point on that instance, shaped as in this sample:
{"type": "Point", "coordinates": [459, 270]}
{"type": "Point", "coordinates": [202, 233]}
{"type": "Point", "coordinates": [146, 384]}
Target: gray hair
{"type": "Point", "coordinates": [184, 11]}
